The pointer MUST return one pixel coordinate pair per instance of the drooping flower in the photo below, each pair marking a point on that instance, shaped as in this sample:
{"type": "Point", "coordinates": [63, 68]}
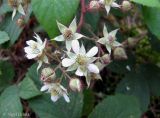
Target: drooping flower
{"type": "Point", "coordinates": [81, 61]}
{"type": "Point", "coordinates": [92, 76]}
{"type": "Point", "coordinates": [109, 39]}
{"type": "Point", "coordinates": [68, 33]}
{"type": "Point", "coordinates": [17, 6]}
{"type": "Point", "coordinates": [35, 49]}
{"type": "Point", "coordinates": [108, 4]}
{"type": "Point", "coordinates": [56, 90]}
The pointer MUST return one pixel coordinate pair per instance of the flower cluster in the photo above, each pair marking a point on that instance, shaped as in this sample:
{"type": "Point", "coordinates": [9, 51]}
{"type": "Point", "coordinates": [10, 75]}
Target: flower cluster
{"type": "Point", "coordinates": [75, 58]}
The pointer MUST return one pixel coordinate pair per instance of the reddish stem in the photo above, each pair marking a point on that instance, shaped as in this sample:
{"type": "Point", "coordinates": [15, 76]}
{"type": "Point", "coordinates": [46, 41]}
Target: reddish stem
{"type": "Point", "coordinates": [83, 11]}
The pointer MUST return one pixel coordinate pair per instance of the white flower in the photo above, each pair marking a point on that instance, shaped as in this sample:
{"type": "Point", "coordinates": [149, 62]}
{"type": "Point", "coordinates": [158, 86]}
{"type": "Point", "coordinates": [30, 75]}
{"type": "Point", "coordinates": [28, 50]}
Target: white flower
{"type": "Point", "coordinates": [56, 91]}
{"type": "Point", "coordinates": [108, 4]}
{"type": "Point", "coordinates": [81, 60]}
{"type": "Point", "coordinates": [18, 7]}
{"type": "Point", "coordinates": [68, 33]}
{"type": "Point", "coordinates": [35, 49]}
{"type": "Point", "coordinates": [109, 39]}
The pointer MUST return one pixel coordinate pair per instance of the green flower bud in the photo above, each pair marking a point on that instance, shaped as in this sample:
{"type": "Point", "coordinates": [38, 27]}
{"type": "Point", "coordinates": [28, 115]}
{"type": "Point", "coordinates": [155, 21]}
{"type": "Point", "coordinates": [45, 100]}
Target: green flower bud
{"type": "Point", "coordinates": [126, 5]}
{"type": "Point", "coordinates": [106, 59]}
{"type": "Point", "coordinates": [132, 42]}
{"type": "Point", "coordinates": [119, 53]}
{"type": "Point", "coordinates": [48, 75]}
{"type": "Point", "coordinates": [75, 84]}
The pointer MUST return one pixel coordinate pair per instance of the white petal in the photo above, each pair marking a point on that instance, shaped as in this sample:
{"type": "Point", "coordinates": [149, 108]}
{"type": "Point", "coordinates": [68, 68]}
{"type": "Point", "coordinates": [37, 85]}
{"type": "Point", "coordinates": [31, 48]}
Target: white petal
{"type": "Point", "coordinates": [54, 98]}
{"type": "Point", "coordinates": [45, 59]}
{"type": "Point", "coordinates": [92, 52]}
{"type": "Point", "coordinates": [30, 42]}
{"type": "Point", "coordinates": [44, 44]}
{"type": "Point", "coordinates": [73, 25]}
{"type": "Point", "coordinates": [72, 67]}
{"type": "Point", "coordinates": [44, 88]}
{"type": "Point", "coordinates": [14, 13]}
{"type": "Point", "coordinates": [71, 55]}
{"type": "Point", "coordinates": [31, 56]}
{"type": "Point", "coordinates": [83, 50]}
{"type": "Point", "coordinates": [67, 62]}
{"type": "Point", "coordinates": [102, 40]}
{"type": "Point", "coordinates": [88, 80]}
{"type": "Point", "coordinates": [66, 97]}
{"type": "Point", "coordinates": [39, 40]}
{"type": "Point", "coordinates": [28, 50]}
{"type": "Point", "coordinates": [59, 38]}
{"type": "Point", "coordinates": [79, 72]}
{"type": "Point", "coordinates": [21, 10]}
{"type": "Point", "coordinates": [105, 31]}
{"type": "Point", "coordinates": [75, 46]}
{"type": "Point", "coordinates": [114, 4]}
{"type": "Point", "coordinates": [116, 44]}
{"type": "Point", "coordinates": [107, 9]}
{"type": "Point", "coordinates": [68, 45]}
{"type": "Point", "coordinates": [113, 33]}
{"type": "Point", "coordinates": [78, 36]}
{"type": "Point", "coordinates": [108, 48]}
{"type": "Point", "coordinates": [101, 1]}
{"type": "Point", "coordinates": [93, 68]}
{"type": "Point", "coordinates": [61, 27]}
{"type": "Point", "coordinates": [39, 65]}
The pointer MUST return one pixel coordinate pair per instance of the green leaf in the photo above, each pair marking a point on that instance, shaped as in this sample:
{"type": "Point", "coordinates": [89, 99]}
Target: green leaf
{"type": "Point", "coordinates": [4, 8]}
{"type": "Point", "coordinates": [47, 12]}
{"type": "Point", "coordinates": [3, 37]}
{"type": "Point", "coordinates": [135, 84]}
{"type": "Point", "coordinates": [11, 27]}
{"type": "Point", "coordinates": [152, 75]}
{"type": "Point", "coordinates": [6, 74]}
{"type": "Point", "coordinates": [27, 89]}
{"type": "Point", "coordinates": [117, 106]}
{"type": "Point", "coordinates": [152, 18]}
{"type": "Point", "coordinates": [32, 74]}
{"type": "Point", "coordinates": [150, 3]}
{"type": "Point", "coordinates": [89, 101]}
{"type": "Point", "coordinates": [45, 108]}
{"type": "Point", "coordinates": [10, 105]}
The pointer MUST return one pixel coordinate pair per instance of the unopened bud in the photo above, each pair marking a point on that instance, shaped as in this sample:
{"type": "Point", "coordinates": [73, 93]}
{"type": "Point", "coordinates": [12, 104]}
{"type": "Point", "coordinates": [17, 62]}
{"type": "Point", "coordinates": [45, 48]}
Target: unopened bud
{"type": "Point", "coordinates": [94, 5]}
{"type": "Point", "coordinates": [106, 59]}
{"type": "Point", "coordinates": [21, 22]}
{"type": "Point", "coordinates": [13, 3]}
{"type": "Point", "coordinates": [132, 42]}
{"type": "Point", "coordinates": [75, 84]}
{"type": "Point", "coordinates": [126, 5]}
{"type": "Point", "coordinates": [119, 53]}
{"type": "Point", "coordinates": [25, 2]}
{"type": "Point", "coordinates": [48, 75]}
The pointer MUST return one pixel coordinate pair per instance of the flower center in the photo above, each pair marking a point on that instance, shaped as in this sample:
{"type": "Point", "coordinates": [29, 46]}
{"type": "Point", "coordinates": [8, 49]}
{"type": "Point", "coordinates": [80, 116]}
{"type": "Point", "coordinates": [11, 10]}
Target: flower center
{"type": "Point", "coordinates": [111, 39]}
{"type": "Point", "coordinates": [54, 93]}
{"type": "Point", "coordinates": [81, 60]}
{"type": "Point", "coordinates": [35, 48]}
{"type": "Point", "coordinates": [68, 34]}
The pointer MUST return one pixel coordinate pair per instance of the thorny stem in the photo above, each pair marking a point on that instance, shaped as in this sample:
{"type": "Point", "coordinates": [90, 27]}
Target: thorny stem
{"type": "Point", "coordinates": [65, 72]}
{"type": "Point", "coordinates": [83, 11]}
